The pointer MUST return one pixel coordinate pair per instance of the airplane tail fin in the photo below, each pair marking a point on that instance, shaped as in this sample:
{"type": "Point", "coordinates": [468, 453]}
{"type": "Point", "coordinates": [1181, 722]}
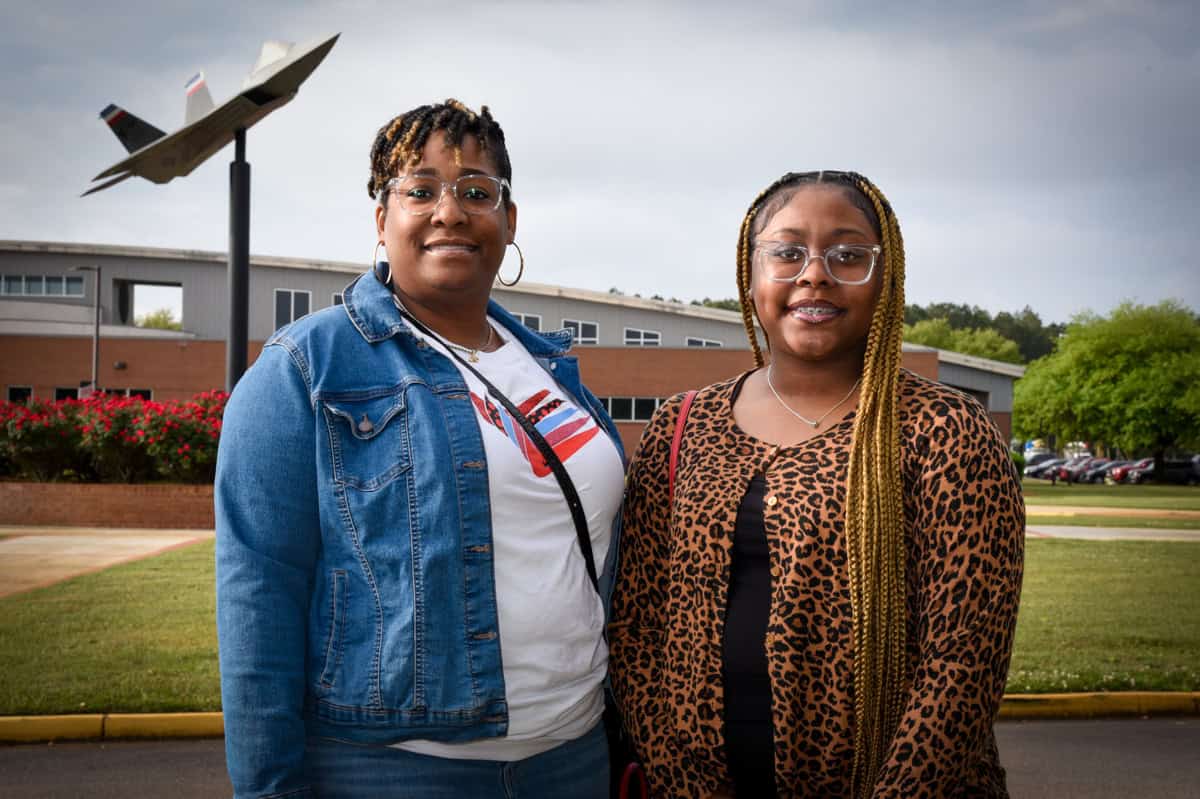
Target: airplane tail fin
{"type": "Point", "coordinates": [199, 101]}
{"type": "Point", "coordinates": [133, 132]}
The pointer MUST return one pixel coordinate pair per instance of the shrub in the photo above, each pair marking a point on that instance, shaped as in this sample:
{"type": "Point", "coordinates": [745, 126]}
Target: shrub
{"type": "Point", "coordinates": [42, 440]}
{"type": "Point", "coordinates": [1018, 461]}
{"type": "Point", "coordinates": [112, 439]}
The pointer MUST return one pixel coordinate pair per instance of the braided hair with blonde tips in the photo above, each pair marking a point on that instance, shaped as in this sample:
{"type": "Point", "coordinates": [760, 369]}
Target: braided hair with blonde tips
{"type": "Point", "coordinates": [874, 524]}
{"type": "Point", "coordinates": [400, 143]}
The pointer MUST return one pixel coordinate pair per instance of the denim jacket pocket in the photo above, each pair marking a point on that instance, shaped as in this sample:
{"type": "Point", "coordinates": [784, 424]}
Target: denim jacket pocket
{"type": "Point", "coordinates": [337, 623]}
{"type": "Point", "coordinates": [368, 439]}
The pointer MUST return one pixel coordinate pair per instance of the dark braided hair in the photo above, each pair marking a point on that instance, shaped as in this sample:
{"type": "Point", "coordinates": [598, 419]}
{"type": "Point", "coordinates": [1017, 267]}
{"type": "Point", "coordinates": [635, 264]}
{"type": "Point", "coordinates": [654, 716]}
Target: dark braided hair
{"type": "Point", "coordinates": [400, 142]}
{"type": "Point", "coordinates": [874, 524]}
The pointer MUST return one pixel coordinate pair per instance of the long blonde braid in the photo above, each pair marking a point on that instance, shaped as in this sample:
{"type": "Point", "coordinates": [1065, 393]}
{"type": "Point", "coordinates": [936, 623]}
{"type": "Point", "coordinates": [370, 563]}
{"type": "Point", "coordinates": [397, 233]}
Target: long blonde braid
{"type": "Point", "coordinates": [874, 524]}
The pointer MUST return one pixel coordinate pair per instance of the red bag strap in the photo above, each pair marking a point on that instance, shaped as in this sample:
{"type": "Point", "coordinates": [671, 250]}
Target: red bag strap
{"type": "Point", "coordinates": [680, 423]}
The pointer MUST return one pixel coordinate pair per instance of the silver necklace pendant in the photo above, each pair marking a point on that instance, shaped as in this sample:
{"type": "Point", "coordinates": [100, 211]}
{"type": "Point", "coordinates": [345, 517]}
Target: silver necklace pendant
{"type": "Point", "coordinates": [814, 423]}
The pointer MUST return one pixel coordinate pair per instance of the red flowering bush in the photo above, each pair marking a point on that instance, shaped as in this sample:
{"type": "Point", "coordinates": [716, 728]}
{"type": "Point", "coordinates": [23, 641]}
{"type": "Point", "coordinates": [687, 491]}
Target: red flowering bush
{"type": "Point", "coordinates": [112, 439]}
{"type": "Point", "coordinates": [41, 440]}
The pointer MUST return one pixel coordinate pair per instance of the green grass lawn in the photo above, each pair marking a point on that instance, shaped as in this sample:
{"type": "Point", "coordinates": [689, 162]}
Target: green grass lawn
{"type": "Point", "coordinates": [140, 637]}
{"type": "Point", "coordinates": [1108, 615]}
{"type": "Point", "coordinates": [1166, 497]}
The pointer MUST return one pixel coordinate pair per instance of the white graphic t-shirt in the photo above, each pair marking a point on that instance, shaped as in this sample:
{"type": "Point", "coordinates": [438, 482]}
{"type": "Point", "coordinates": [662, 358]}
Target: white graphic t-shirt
{"type": "Point", "coordinates": [551, 619]}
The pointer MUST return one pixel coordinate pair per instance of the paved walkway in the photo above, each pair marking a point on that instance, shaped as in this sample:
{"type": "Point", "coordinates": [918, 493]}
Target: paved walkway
{"type": "Point", "coordinates": [33, 557]}
{"type": "Point", "coordinates": [1110, 533]}
{"type": "Point", "coordinates": [1044, 760]}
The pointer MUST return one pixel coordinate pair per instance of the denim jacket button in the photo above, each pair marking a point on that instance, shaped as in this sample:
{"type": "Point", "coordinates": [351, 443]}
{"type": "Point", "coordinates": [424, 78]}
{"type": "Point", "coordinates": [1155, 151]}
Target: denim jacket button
{"type": "Point", "coordinates": [553, 367]}
{"type": "Point", "coordinates": [365, 425]}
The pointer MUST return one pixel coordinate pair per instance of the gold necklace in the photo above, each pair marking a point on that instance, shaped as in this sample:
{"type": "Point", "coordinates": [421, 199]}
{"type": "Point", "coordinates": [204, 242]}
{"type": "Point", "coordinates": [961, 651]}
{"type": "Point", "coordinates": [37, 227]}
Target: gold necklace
{"type": "Point", "coordinates": [814, 423]}
{"type": "Point", "coordinates": [473, 354]}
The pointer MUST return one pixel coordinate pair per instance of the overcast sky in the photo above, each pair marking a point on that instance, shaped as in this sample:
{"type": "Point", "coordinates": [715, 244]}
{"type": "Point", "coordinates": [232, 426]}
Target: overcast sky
{"type": "Point", "coordinates": [1040, 153]}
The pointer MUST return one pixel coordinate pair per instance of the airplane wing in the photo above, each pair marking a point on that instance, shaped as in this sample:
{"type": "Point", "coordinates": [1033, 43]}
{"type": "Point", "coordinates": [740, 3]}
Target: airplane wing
{"type": "Point", "coordinates": [179, 153]}
{"type": "Point", "coordinates": [106, 184]}
{"type": "Point", "coordinates": [133, 132]}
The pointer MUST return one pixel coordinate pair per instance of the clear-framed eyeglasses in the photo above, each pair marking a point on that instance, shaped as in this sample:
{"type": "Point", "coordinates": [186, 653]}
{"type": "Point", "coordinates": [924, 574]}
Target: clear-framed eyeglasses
{"type": "Point", "coordinates": [421, 194]}
{"type": "Point", "coordinates": [848, 264]}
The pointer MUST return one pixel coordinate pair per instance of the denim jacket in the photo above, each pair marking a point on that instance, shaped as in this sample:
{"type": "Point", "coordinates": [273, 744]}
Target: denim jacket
{"type": "Point", "coordinates": [355, 591]}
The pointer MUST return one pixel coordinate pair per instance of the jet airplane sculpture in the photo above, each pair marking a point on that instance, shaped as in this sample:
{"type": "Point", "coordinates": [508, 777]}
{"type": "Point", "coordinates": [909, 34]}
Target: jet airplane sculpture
{"type": "Point", "coordinates": [159, 157]}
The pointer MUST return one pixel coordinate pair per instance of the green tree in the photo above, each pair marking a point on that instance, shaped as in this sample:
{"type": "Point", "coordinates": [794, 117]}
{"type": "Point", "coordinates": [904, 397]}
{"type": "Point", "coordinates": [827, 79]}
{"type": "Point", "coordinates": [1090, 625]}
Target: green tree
{"type": "Point", "coordinates": [729, 304]}
{"type": "Point", "coordinates": [161, 319]}
{"type": "Point", "coordinates": [1025, 327]}
{"type": "Point", "coordinates": [1132, 378]}
{"type": "Point", "coordinates": [959, 316]}
{"type": "Point", "coordinates": [983, 342]}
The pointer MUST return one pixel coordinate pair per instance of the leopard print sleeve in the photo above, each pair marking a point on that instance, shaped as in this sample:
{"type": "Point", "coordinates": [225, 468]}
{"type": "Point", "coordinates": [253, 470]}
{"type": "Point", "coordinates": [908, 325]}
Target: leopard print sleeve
{"type": "Point", "coordinates": [965, 567]}
{"type": "Point", "coordinates": [636, 632]}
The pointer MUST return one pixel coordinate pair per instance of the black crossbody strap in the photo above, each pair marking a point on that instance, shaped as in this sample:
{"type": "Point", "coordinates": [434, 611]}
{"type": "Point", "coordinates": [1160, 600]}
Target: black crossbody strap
{"type": "Point", "coordinates": [552, 460]}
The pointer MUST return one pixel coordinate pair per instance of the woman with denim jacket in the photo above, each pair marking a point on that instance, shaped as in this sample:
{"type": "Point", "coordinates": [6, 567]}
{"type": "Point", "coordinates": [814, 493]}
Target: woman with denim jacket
{"type": "Point", "coordinates": [403, 604]}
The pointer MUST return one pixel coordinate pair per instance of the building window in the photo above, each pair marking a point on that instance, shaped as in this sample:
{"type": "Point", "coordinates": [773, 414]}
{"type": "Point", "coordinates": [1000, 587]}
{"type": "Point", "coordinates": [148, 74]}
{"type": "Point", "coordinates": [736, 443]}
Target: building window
{"type": "Point", "coordinates": [583, 332]}
{"type": "Point", "coordinates": [144, 393]}
{"type": "Point", "coordinates": [642, 338]}
{"type": "Point", "coordinates": [337, 298]}
{"type": "Point", "coordinates": [693, 341]}
{"type": "Point", "coordinates": [290, 305]}
{"type": "Point", "coordinates": [20, 393]}
{"type": "Point", "coordinates": [41, 286]}
{"type": "Point", "coordinates": [61, 393]}
{"type": "Point", "coordinates": [630, 409]}
{"type": "Point", "coordinates": [530, 320]}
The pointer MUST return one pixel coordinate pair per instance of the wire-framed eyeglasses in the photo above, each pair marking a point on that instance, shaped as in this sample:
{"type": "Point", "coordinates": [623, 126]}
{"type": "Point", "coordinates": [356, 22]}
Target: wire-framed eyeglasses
{"type": "Point", "coordinates": [848, 264]}
{"type": "Point", "coordinates": [421, 194]}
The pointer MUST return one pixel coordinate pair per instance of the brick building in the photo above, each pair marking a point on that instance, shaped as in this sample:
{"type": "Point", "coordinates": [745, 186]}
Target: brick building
{"type": "Point", "coordinates": [633, 352]}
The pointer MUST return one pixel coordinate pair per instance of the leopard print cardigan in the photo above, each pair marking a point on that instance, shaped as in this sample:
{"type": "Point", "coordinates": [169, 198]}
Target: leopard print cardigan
{"type": "Point", "coordinates": [965, 526]}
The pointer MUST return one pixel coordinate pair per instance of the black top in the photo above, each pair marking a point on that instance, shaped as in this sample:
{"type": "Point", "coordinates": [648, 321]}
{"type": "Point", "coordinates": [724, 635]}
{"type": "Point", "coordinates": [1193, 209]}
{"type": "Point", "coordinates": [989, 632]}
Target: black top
{"type": "Point", "coordinates": [749, 736]}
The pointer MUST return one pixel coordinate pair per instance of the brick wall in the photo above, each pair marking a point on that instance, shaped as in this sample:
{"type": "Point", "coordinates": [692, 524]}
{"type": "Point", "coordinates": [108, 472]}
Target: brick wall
{"type": "Point", "coordinates": [157, 505]}
{"type": "Point", "coordinates": [173, 369]}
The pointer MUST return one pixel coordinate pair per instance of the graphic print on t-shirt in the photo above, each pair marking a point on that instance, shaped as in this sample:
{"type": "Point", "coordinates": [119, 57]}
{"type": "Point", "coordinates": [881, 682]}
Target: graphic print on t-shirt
{"type": "Point", "coordinates": [565, 427]}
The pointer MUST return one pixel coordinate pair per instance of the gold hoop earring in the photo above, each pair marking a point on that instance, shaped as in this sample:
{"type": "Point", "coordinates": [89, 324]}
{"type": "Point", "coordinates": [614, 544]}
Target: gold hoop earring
{"type": "Point", "coordinates": [520, 271]}
{"type": "Point", "coordinates": [387, 278]}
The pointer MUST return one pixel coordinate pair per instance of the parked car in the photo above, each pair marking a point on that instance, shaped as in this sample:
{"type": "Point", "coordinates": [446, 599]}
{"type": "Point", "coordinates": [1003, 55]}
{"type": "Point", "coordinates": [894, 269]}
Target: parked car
{"type": "Point", "coordinates": [1177, 472]}
{"type": "Point", "coordinates": [1039, 469]}
{"type": "Point", "coordinates": [1121, 473]}
{"type": "Point", "coordinates": [1035, 458]}
{"type": "Point", "coordinates": [1098, 471]}
{"type": "Point", "coordinates": [1073, 473]}
{"type": "Point", "coordinates": [1063, 470]}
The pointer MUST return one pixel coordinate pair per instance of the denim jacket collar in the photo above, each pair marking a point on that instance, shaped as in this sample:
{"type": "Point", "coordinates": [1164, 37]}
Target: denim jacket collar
{"type": "Point", "coordinates": [369, 304]}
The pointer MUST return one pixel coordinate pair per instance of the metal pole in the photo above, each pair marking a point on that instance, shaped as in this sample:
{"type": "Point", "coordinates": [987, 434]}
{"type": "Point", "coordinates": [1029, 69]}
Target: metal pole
{"type": "Point", "coordinates": [96, 336]}
{"type": "Point", "coordinates": [239, 263]}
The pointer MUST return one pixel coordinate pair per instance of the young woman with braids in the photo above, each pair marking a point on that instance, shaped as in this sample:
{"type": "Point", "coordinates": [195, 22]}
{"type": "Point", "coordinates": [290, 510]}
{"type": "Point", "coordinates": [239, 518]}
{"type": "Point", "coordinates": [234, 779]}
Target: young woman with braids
{"type": "Point", "coordinates": [405, 605]}
{"type": "Point", "coordinates": [824, 603]}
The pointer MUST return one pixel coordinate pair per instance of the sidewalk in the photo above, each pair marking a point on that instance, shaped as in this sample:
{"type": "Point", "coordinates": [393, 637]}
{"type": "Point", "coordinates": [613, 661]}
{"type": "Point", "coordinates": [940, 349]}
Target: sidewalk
{"type": "Point", "coordinates": [34, 557]}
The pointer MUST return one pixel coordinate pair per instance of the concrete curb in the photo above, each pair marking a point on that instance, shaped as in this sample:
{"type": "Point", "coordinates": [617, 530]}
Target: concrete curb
{"type": "Point", "coordinates": [97, 726]}
{"type": "Point", "coordinates": [1016, 707]}
{"type": "Point", "coordinates": [1100, 705]}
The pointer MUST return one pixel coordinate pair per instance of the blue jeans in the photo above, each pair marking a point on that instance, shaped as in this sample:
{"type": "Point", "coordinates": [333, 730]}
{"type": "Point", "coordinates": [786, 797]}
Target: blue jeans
{"type": "Point", "coordinates": [576, 769]}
